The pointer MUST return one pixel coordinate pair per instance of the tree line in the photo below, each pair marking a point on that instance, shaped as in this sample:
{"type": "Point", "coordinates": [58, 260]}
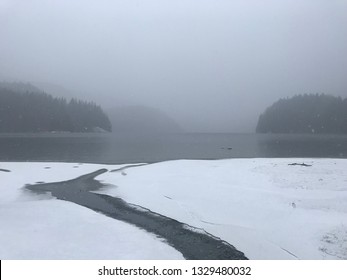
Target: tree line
{"type": "Point", "coordinates": [308, 113]}
{"type": "Point", "coordinates": [40, 112]}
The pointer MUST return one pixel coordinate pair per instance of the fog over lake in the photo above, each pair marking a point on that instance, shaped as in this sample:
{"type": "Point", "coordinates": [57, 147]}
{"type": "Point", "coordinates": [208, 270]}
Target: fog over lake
{"type": "Point", "coordinates": [212, 66]}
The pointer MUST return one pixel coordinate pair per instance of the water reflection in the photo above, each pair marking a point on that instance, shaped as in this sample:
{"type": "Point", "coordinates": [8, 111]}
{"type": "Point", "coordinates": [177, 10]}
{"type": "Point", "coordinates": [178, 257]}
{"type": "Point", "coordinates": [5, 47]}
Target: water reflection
{"type": "Point", "coordinates": [74, 147]}
{"type": "Point", "coordinates": [113, 148]}
{"type": "Point", "coordinates": [284, 145]}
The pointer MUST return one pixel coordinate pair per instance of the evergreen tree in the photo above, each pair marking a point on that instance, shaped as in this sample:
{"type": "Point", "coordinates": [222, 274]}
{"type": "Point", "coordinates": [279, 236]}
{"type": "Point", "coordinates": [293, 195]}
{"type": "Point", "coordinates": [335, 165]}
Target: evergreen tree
{"type": "Point", "coordinates": [308, 113]}
{"type": "Point", "coordinates": [22, 111]}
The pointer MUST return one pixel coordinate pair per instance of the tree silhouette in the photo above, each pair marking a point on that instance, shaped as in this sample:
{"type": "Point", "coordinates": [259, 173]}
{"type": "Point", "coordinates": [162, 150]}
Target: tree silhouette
{"type": "Point", "coordinates": [308, 113]}
{"type": "Point", "coordinates": [40, 112]}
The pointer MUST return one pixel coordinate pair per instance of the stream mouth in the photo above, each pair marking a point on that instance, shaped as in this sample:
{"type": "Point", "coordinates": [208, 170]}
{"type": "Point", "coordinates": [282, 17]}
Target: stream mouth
{"type": "Point", "coordinates": [193, 243]}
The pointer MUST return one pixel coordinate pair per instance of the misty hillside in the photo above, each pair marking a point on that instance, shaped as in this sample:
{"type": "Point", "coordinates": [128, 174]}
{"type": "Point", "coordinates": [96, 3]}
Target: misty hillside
{"type": "Point", "coordinates": [56, 90]}
{"type": "Point", "coordinates": [19, 87]}
{"type": "Point", "coordinates": [140, 119]}
{"type": "Point", "coordinates": [24, 108]}
{"type": "Point", "coordinates": [308, 113]}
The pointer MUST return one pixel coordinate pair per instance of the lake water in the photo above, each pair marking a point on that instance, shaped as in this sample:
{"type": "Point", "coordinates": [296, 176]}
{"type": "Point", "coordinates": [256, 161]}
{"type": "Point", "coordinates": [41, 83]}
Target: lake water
{"type": "Point", "coordinates": [112, 148]}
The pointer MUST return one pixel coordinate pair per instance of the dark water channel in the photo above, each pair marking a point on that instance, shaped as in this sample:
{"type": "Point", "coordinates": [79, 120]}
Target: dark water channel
{"type": "Point", "coordinates": [192, 243]}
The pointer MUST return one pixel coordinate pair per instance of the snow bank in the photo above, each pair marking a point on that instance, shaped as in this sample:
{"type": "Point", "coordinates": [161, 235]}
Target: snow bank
{"type": "Point", "coordinates": [39, 227]}
{"type": "Point", "coordinates": [264, 207]}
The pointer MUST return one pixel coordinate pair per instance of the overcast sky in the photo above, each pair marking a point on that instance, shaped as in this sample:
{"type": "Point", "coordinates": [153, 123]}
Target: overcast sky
{"type": "Point", "coordinates": [211, 65]}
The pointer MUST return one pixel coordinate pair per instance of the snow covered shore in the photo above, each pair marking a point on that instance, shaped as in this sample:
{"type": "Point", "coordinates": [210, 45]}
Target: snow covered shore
{"type": "Point", "coordinates": [264, 207]}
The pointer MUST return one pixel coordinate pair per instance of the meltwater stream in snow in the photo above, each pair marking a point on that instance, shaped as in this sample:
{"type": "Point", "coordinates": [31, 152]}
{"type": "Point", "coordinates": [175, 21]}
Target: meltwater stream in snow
{"type": "Point", "coordinates": [192, 243]}
{"type": "Point", "coordinates": [273, 208]}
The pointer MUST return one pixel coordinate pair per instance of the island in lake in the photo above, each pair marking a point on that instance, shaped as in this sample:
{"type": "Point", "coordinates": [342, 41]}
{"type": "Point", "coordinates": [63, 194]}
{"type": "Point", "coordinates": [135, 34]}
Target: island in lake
{"type": "Point", "coordinates": [308, 113]}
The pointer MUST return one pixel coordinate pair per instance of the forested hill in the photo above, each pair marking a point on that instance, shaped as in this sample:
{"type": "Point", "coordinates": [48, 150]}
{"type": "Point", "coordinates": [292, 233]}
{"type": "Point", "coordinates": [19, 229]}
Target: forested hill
{"type": "Point", "coordinates": [308, 113]}
{"type": "Point", "coordinates": [34, 111]}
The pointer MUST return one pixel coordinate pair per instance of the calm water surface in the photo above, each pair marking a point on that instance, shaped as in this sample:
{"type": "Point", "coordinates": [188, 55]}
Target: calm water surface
{"type": "Point", "coordinates": [112, 148]}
